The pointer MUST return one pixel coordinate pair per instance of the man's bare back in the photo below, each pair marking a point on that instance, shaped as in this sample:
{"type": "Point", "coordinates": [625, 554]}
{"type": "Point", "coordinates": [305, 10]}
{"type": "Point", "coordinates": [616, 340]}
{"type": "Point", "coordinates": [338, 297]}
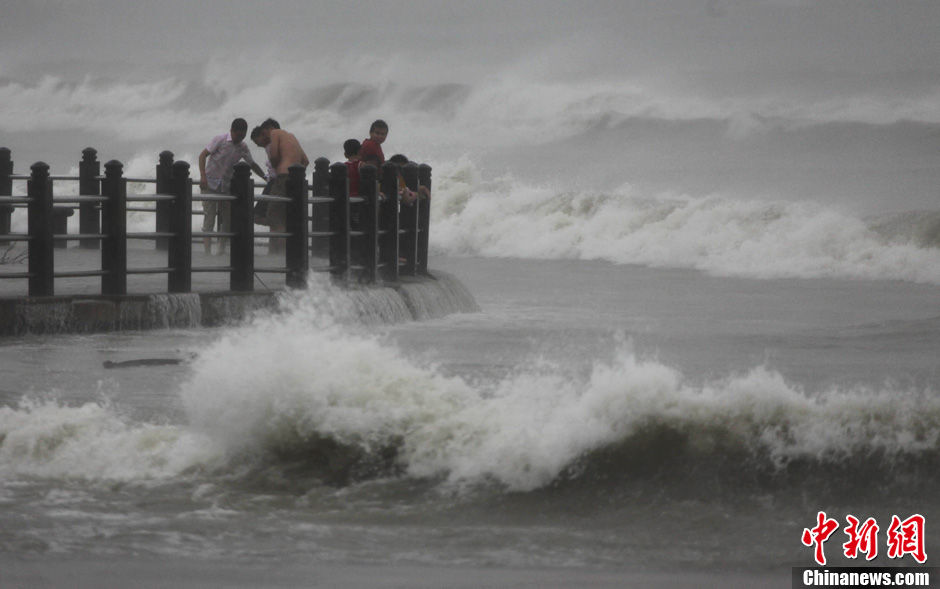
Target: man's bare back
{"type": "Point", "coordinates": [285, 151]}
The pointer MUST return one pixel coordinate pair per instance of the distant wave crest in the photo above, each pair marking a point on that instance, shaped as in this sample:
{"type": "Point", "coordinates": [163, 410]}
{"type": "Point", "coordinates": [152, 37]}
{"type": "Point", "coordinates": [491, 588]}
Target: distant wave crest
{"type": "Point", "coordinates": [725, 236]}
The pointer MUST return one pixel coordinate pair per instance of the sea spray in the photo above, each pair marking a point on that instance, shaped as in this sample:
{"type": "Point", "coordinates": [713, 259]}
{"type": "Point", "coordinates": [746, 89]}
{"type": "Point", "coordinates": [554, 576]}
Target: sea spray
{"type": "Point", "coordinates": [94, 441]}
{"type": "Point", "coordinates": [307, 386]}
{"type": "Point", "coordinates": [267, 398]}
{"type": "Point", "coordinates": [506, 217]}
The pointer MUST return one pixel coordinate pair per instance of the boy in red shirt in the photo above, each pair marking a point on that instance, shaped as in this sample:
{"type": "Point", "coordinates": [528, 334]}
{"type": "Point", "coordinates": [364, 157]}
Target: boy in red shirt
{"type": "Point", "coordinates": [371, 150]}
{"type": "Point", "coordinates": [351, 149]}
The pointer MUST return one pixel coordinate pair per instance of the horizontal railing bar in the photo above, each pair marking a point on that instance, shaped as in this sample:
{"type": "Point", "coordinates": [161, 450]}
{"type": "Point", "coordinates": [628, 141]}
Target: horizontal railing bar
{"type": "Point", "coordinates": [273, 270]}
{"type": "Point", "coordinates": [78, 198]}
{"type": "Point", "coordinates": [20, 177]}
{"type": "Point", "coordinates": [266, 234]}
{"type": "Point", "coordinates": [322, 233]}
{"type": "Point", "coordinates": [354, 200]}
{"type": "Point", "coordinates": [149, 197]}
{"type": "Point", "coordinates": [51, 177]}
{"type": "Point", "coordinates": [271, 198]}
{"type": "Point", "coordinates": [151, 235]}
{"type": "Point", "coordinates": [80, 273]}
{"type": "Point", "coordinates": [212, 269]}
{"type": "Point", "coordinates": [16, 237]}
{"type": "Point", "coordinates": [149, 270]}
{"type": "Point", "coordinates": [77, 236]}
{"type": "Point", "coordinates": [140, 210]}
{"type": "Point", "coordinates": [214, 197]}
{"type": "Point", "coordinates": [16, 275]}
{"type": "Point", "coordinates": [139, 180]}
{"type": "Point", "coordinates": [213, 234]}
{"type": "Point", "coordinates": [14, 200]}
{"type": "Point", "coordinates": [320, 200]}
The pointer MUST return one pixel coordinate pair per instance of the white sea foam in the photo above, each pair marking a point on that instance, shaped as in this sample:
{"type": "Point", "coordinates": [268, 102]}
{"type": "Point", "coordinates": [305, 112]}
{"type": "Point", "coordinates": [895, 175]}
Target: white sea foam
{"type": "Point", "coordinates": [312, 381]}
{"type": "Point", "coordinates": [94, 441]}
{"type": "Point", "coordinates": [726, 236]}
{"type": "Point", "coordinates": [280, 384]}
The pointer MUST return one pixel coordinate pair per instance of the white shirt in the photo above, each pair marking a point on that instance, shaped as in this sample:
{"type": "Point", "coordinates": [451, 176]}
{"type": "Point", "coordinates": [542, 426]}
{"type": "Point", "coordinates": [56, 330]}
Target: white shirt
{"type": "Point", "coordinates": [223, 155]}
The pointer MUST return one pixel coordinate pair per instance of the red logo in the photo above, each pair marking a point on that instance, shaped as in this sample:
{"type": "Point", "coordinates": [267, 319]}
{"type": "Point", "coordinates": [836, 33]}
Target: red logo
{"type": "Point", "coordinates": [903, 537]}
{"type": "Point", "coordinates": [907, 537]}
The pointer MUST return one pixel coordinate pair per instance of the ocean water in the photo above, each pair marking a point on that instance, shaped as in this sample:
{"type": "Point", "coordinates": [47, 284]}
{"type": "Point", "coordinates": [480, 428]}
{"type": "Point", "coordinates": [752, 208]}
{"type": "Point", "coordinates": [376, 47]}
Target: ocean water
{"type": "Point", "coordinates": [594, 418]}
{"type": "Point", "coordinates": [703, 318]}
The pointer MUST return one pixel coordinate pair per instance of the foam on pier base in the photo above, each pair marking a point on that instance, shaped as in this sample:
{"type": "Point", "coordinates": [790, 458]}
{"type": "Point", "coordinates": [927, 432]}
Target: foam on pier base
{"type": "Point", "coordinates": [412, 299]}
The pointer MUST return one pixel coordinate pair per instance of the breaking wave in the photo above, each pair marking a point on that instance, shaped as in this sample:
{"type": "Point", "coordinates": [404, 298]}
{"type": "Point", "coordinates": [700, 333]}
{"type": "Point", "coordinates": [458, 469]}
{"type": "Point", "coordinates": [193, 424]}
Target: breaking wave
{"type": "Point", "coordinates": [722, 235]}
{"type": "Point", "coordinates": [343, 406]}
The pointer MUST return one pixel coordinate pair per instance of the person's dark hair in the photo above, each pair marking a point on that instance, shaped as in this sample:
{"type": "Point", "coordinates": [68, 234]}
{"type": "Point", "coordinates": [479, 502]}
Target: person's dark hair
{"type": "Point", "coordinates": [398, 159]}
{"type": "Point", "coordinates": [256, 132]}
{"type": "Point", "coordinates": [270, 124]}
{"type": "Point", "coordinates": [378, 124]}
{"type": "Point", "coordinates": [351, 147]}
{"type": "Point", "coordinates": [240, 125]}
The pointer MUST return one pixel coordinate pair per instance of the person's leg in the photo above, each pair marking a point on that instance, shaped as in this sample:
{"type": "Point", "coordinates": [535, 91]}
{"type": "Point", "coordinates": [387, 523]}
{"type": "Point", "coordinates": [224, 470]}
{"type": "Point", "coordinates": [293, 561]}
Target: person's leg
{"type": "Point", "coordinates": [277, 216]}
{"type": "Point", "coordinates": [277, 221]}
{"type": "Point", "coordinates": [225, 209]}
{"type": "Point", "coordinates": [210, 211]}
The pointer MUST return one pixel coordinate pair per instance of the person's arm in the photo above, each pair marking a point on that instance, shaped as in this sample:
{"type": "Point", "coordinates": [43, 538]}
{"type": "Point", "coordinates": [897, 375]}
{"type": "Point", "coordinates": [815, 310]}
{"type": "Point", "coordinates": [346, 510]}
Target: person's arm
{"type": "Point", "coordinates": [203, 181]}
{"type": "Point", "coordinates": [274, 150]}
{"type": "Point", "coordinates": [259, 170]}
{"type": "Point", "coordinates": [246, 155]}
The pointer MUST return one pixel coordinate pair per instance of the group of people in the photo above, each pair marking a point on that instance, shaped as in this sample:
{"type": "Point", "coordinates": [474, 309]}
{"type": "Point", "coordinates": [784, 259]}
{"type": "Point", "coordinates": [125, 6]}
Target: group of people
{"type": "Point", "coordinates": [369, 152]}
{"type": "Point", "coordinates": [217, 166]}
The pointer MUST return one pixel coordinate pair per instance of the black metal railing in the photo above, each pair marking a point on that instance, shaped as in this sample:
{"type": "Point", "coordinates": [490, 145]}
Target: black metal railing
{"type": "Point", "coordinates": [368, 238]}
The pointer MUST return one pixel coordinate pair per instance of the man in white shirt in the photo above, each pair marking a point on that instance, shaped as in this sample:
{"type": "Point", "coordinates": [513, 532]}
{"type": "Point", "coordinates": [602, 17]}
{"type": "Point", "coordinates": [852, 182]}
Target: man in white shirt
{"type": "Point", "coordinates": [216, 168]}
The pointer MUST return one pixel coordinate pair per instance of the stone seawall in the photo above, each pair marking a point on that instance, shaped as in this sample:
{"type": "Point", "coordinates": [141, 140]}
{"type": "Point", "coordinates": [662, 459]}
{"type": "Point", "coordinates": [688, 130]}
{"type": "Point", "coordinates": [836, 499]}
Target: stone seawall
{"type": "Point", "coordinates": [411, 299]}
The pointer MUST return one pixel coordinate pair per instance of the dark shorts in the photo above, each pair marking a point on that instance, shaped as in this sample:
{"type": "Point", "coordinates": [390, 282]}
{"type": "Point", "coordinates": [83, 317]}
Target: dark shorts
{"type": "Point", "coordinates": [277, 211]}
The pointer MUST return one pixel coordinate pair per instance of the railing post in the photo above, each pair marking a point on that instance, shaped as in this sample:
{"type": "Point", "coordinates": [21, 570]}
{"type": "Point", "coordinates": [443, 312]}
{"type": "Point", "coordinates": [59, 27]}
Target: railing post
{"type": "Point", "coordinates": [411, 221]}
{"type": "Point", "coordinates": [164, 207]}
{"type": "Point", "coordinates": [339, 221]}
{"type": "Point", "coordinates": [39, 212]}
{"type": "Point", "coordinates": [6, 170]}
{"type": "Point", "coordinates": [389, 222]}
{"type": "Point", "coordinates": [369, 222]}
{"type": "Point", "coordinates": [89, 217]}
{"type": "Point", "coordinates": [243, 226]}
{"type": "Point", "coordinates": [6, 189]}
{"type": "Point", "coordinates": [180, 254]}
{"type": "Point", "coordinates": [321, 176]}
{"type": "Point", "coordinates": [320, 212]}
{"type": "Point", "coordinates": [114, 227]}
{"type": "Point", "coordinates": [424, 218]}
{"type": "Point", "coordinates": [297, 250]}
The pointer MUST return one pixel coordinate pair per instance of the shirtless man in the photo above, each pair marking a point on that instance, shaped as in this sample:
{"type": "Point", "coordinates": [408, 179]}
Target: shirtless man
{"type": "Point", "coordinates": [283, 151]}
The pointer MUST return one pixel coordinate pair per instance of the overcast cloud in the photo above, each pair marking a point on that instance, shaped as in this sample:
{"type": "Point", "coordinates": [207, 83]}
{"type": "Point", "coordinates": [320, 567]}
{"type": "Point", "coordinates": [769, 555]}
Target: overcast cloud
{"type": "Point", "coordinates": [747, 45]}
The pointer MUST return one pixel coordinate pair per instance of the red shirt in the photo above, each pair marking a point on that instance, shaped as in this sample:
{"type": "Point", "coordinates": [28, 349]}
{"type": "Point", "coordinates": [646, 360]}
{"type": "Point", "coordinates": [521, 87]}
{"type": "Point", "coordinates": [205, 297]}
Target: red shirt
{"type": "Point", "coordinates": [370, 147]}
{"type": "Point", "coordinates": [352, 172]}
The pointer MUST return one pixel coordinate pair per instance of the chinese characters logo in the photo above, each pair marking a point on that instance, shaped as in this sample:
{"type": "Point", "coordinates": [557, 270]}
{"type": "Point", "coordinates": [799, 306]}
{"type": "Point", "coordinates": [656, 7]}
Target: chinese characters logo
{"type": "Point", "coordinates": [903, 537]}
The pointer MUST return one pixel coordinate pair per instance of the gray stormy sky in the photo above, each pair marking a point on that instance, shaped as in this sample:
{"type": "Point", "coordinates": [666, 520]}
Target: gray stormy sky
{"type": "Point", "coordinates": [727, 45]}
{"type": "Point", "coordinates": [743, 64]}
